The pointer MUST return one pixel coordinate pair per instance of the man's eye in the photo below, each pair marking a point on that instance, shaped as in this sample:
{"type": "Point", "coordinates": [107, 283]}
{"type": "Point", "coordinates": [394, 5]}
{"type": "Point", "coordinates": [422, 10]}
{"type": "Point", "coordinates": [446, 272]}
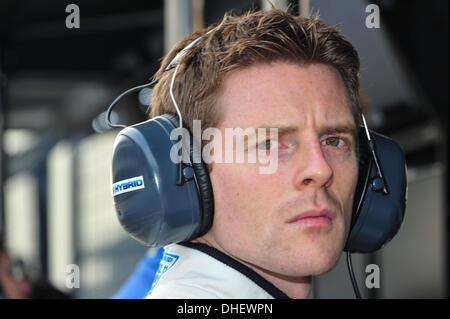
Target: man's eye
{"type": "Point", "coordinates": [268, 145]}
{"type": "Point", "coordinates": [334, 141]}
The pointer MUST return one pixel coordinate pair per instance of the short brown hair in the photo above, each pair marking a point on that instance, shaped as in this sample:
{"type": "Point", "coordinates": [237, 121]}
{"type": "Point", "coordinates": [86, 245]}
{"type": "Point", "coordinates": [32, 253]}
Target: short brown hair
{"type": "Point", "coordinates": [240, 41]}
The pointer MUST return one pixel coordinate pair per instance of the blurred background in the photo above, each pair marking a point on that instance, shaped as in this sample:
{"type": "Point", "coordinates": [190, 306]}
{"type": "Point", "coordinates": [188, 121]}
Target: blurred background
{"type": "Point", "coordinates": [55, 83]}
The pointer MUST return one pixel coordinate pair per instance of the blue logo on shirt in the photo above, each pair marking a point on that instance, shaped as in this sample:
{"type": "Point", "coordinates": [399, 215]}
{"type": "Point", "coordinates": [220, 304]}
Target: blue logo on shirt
{"type": "Point", "coordinates": [167, 261]}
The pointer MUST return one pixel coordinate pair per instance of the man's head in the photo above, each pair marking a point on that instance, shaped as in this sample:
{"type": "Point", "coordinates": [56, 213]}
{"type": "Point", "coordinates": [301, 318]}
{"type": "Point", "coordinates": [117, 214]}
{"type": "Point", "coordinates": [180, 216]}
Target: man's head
{"type": "Point", "coordinates": [238, 42]}
{"type": "Point", "coordinates": [272, 69]}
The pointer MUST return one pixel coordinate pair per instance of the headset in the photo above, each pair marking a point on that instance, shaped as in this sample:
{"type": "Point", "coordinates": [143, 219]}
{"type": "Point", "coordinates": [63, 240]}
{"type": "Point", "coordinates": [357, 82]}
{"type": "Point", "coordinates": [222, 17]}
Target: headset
{"type": "Point", "coordinates": [159, 202]}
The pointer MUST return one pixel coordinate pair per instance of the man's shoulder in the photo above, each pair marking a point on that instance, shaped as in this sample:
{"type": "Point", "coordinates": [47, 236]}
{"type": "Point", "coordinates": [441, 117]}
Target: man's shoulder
{"type": "Point", "coordinates": [185, 272]}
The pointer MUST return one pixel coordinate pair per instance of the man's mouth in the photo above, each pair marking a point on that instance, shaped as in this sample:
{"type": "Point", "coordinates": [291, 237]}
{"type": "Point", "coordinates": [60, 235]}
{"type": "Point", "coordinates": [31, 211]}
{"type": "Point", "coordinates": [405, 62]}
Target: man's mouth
{"type": "Point", "coordinates": [313, 218]}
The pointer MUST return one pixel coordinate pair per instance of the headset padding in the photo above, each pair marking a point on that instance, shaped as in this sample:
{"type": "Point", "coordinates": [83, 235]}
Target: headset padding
{"type": "Point", "coordinates": [364, 166]}
{"type": "Point", "coordinates": [207, 197]}
{"type": "Point", "coordinates": [203, 182]}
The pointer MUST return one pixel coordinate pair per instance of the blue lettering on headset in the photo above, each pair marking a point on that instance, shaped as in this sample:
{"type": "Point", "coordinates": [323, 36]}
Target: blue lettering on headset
{"type": "Point", "coordinates": [128, 185]}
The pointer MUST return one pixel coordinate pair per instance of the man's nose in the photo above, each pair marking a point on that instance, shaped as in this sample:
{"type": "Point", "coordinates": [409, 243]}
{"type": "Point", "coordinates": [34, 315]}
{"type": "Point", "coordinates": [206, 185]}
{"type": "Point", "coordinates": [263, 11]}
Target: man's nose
{"type": "Point", "coordinates": [313, 170]}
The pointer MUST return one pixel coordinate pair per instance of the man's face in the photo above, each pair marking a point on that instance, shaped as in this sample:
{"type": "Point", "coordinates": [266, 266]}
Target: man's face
{"type": "Point", "coordinates": [260, 218]}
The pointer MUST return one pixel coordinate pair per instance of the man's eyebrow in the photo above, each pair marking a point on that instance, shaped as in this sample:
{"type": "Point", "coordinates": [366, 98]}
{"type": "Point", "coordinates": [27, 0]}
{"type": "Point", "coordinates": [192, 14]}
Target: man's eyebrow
{"type": "Point", "coordinates": [281, 129]}
{"type": "Point", "coordinates": [345, 128]}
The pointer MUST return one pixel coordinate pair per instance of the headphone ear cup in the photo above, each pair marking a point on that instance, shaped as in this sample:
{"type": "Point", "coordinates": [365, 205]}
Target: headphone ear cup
{"type": "Point", "coordinates": [149, 204]}
{"type": "Point", "coordinates": [377, 217]}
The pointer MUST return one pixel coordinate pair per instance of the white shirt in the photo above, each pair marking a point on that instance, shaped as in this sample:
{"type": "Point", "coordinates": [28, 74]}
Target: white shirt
{"type": "Point", "coordinates": [198, 271]}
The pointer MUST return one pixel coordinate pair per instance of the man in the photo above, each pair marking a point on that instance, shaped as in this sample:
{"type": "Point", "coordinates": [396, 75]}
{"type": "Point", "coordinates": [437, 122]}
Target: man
{"type": "Point", "coordinates": [271, 232]}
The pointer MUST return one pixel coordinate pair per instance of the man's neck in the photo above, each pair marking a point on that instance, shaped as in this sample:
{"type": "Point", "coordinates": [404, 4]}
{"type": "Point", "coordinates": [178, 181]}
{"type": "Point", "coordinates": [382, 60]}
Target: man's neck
{"type": "Point", "coordinates": [293, 287]}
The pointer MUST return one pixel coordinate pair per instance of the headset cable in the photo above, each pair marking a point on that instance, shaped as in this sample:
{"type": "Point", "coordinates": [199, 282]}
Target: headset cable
{"type": "Point", "coordinates": [352, 276]}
